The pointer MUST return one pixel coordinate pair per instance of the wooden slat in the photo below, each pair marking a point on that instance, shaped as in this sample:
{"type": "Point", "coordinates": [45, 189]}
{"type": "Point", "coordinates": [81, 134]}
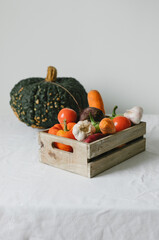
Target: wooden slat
{"type": "Point", "coordinates": [112, 141]}
{"type": "Point", "coordinates": [74, 162]}
{"type": "Point", "coordinates": [63, 140]}
{"type": "Point", "coordinates": [115, 157]}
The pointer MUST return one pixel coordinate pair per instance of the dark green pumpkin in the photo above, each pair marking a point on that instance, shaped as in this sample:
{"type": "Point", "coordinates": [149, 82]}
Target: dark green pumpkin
{"type": "Point", "coordinates": [37, 101]}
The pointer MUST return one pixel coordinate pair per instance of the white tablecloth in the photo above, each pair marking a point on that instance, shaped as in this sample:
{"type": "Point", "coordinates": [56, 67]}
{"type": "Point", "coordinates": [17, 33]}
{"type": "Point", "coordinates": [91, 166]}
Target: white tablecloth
{"type": "Point", "coordinates": [39, 202]}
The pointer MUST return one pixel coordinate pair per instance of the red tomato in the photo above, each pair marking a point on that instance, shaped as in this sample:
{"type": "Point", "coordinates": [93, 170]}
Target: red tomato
{"type": "Point", "coordinates": [66, 113]}
{"type": "Point", "coordinates": [121, 123]}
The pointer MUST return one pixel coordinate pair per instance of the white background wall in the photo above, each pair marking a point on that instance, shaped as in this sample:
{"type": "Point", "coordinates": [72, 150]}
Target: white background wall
{"type": "Point", "coordinates": [108, 45]}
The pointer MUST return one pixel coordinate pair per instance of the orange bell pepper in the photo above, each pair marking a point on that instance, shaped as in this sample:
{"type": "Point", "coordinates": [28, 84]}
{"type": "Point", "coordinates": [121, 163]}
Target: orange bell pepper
{"type": "Point", "coordinates": [63, 130]}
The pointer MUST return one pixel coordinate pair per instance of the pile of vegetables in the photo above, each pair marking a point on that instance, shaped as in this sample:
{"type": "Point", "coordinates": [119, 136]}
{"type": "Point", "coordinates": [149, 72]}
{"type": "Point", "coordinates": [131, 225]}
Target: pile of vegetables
{"type": "Point", "coordinates": [92, 124]}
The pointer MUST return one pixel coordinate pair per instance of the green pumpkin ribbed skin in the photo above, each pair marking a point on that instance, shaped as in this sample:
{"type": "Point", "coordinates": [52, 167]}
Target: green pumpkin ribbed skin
{"type": "Point", "coordinates": [37, 102]}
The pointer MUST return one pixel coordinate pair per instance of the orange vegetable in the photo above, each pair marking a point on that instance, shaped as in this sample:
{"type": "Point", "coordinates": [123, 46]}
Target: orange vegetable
{"type": "Point", "coordinates": [63, 130]}
{"type": "Point", "coordinates": [107, 126]}
{"type": "Point", "coordinates": [66, 113]}
{"type": "Point", "coordinates": [95, 100]}
{"type": "Point", "coordinates": [53, 130]}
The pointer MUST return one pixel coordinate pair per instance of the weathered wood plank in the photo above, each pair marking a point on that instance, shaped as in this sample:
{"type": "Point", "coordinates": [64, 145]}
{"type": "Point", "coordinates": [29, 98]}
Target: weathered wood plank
{"type": "Point", "coordinates": [75, 161]}
{"type": "Point", "coordinates": [115, 157]}
{"type": "Point", "coordinates": [112, 141]}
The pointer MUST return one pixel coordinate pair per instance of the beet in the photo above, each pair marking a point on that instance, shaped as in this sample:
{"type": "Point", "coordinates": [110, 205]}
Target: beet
{"type": "Point", "coordinates": [96, 113]}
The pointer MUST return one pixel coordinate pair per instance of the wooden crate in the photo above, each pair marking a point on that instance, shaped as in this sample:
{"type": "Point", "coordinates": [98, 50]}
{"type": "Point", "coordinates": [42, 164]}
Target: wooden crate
{"type": "Point", "coordinates": [90, 159]}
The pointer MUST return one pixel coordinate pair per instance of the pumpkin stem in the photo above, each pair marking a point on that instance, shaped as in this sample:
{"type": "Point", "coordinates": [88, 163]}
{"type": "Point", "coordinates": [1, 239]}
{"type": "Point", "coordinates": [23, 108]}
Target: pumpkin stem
{"type": "Point", "coordinates": [51, 74]}
{"type": "Point", "coordinates": [51, 77]}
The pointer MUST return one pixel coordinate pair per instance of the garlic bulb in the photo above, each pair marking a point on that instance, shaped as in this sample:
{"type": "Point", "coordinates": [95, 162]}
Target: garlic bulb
{"type": "Point", "coordinates": [134, 114]}
{"type": "Point", "coordinates": [83, 129]}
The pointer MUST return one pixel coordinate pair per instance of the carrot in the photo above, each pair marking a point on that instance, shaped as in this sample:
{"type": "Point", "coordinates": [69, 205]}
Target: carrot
{"type": "Point", "coordinates": [95, 100]}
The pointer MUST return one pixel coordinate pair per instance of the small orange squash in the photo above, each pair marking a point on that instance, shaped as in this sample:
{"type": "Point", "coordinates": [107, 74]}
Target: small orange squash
{"type": "Point", "coordinates": [107, 126]}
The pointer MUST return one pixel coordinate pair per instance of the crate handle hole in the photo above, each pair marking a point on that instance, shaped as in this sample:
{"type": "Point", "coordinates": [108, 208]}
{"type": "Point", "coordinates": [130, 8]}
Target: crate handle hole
{"type": "Point", "coordinates": [62, 147]}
